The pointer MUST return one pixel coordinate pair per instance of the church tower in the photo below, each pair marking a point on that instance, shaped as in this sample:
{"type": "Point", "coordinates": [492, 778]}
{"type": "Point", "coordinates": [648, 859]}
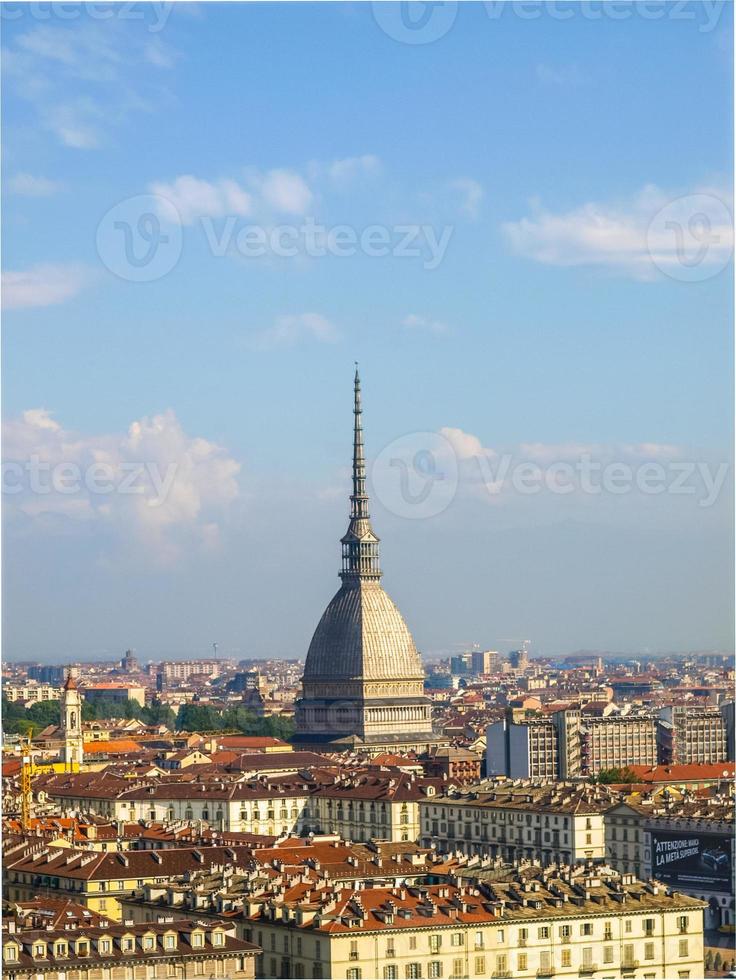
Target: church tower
{"type": "Point", "coordinates": [71, 723]}
{"type": "Point", "coordinates": [363, 684]}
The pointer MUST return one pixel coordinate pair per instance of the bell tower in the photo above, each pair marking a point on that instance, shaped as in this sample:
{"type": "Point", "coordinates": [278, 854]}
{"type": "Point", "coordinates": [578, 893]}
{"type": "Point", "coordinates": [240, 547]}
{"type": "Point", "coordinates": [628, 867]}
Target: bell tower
{"type": "Point", "coordinates": [71, 723]}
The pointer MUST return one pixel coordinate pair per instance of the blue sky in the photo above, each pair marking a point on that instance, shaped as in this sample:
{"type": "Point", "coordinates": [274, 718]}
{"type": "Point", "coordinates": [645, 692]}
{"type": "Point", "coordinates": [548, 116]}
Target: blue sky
{"type": "Point", "coordinates": [557, 147]}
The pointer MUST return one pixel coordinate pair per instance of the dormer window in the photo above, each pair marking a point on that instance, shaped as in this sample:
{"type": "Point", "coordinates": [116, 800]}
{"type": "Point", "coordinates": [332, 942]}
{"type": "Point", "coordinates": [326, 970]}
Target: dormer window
{"type": "Point", "coordinates": [149, 942]}
{"type": "Point", "coordinates": [10, 953]}
{"type": "Point", "coordinates": [218, 938]}
{"type": "Point", "coordinates": [169, 941]}
{"type": "Point", "coordinates": [82, 948]}
{"type": "Point", "coordinates": [128, 944]}
{"type": "Point", "coordinates": [61, 949]}
{"type": "Point", "coordinates": [104, 946]}
{"type": "Point", "coordinates": [197, 939]}
{"type": "Point", "coordinates": [39, 951]}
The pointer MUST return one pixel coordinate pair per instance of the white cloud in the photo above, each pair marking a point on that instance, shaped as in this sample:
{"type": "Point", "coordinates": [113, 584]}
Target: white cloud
{"type": "Point", "coordinates": [80, 81]}
{"type": "Point", "coordinates": [413, 321]}
{"type": "Point", "coordinates": [281, 191]}
{"type": "Point", "coordinates": [42, 285]}
{"type": "Point", "coordinates": [285, 191]}
{"type": "Point", "coordinates": [290, 329]}
{"type": "Point", "coordinates": [194, 198]}
{"type": "Point", "coordinates": [464, 444]}
{"type": "Point", "coordinates": [350, 168]}
{"type": "Point", "coordinates": [636, 237]}
{"type": "Point", "coordinates": [26, 185]}
{"type": "Point", "coordinates": [471, 195]}
{"type": "Point", "coordinates": [170, 490]}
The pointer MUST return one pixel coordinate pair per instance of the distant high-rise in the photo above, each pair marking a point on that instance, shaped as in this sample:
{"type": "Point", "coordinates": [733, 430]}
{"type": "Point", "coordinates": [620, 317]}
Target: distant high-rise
{"type": "Point", "coordinates": [363, 683]}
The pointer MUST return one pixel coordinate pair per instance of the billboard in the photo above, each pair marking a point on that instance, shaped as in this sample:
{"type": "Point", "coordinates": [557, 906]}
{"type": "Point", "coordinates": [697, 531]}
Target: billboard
{"type": "Point", "coordinates": [693, 861]}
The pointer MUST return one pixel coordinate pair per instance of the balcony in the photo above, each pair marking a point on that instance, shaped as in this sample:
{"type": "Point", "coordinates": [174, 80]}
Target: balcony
{"type": "Point", "coordinates": [629, 965]}
{"type": "Point", "coordinates": [588, 969]}
{"type": "Point", "coordinates": [546, 971]}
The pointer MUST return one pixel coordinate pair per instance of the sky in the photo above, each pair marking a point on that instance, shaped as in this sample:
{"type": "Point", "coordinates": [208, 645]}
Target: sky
{"type": "Point", "coordinates": [517, 218]}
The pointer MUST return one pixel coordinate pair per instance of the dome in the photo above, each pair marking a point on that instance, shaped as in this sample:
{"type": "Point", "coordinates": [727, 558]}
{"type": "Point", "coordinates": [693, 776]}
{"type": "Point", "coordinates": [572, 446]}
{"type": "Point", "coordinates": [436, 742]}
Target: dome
{"type": "Point", "coordinates": [362, 635]}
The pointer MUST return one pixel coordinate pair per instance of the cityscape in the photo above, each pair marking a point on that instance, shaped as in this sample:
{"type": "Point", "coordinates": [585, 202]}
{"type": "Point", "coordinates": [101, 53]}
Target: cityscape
{"type": "Point", "coordinates": [367, 491]}
{"type": "Point", "coordinates": [498, 815]}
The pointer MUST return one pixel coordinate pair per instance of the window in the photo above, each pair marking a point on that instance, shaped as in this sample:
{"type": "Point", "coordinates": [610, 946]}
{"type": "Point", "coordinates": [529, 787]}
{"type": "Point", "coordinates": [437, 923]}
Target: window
{"type": "Point", "coordinates": [390, 950]}
{"type": "Point", "coordinates": [608, 954]}
{"type": "Point", "coordinates": [565, 933]}
{"type": "Point", "coordinates": [566, 957]}
{"type": "Point", "coordinates": [434, 970]}
{"type": "Point", "coordinates": [412, 942]}
{"type": "Point", "coordinates": [11, 953]}
{"type": "Point", "coordinates": [501, 965]}
{"type": "Point", "coordinates": [648, 927]}
{"type": "Point", "coordinates": [627, 926]}
{"type": "Point", "coordinates": [480, 965]}
{"type": "Point", "coordinates": [355, 974]}
{"type": "Point", "coordinates": [435, 941]}
{"type": "Point", "coordinates": [39, 951]}
{"type": "Point", "coordinates": [149, 941]}
{"type": "Point", "coordinates": [587, 956]}
{"type": "Point", "coordinates": [353, 948]}
{"type": "Point", "coordinates": [390, 972]}
{"type": "Point", "coordinates": [60, 949]}
{"type": "Point", "coordinates": [413, 971]}
{"type": "Point", "coordinates": [170, 941]}
{"type": "Point", "coordinates": [648, 951]}
{"type": "Point", "coordinates": [198, 939]}
{"type": "Point", "coordinates": [683, 951]}
{"type": "Point", "coordinates": [543, 932]}
{"type": "Point", "coordinates": [523, 936]}
{"type": "Point", "coordinates": [457, 939]}
{"type": "Point", "coordinates": [683, 922]}
{"type": "Point", "coordinates": [479, 940]}
{"type": "Point", "coordinates": [104, 945]}
{"type": "Point", "coordinates": [522, 961]}
{"type": "Point", "coordinates": [128, 945]}
{"type": "Point", "coordinates": [457, 968]}
{"type": "Point", "coordinates": [586, 929]}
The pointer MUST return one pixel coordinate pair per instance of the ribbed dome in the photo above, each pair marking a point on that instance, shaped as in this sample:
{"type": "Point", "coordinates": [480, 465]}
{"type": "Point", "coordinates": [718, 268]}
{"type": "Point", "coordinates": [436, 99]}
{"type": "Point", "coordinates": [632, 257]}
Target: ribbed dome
{"type": "Point", "coordinates": [362, 635]}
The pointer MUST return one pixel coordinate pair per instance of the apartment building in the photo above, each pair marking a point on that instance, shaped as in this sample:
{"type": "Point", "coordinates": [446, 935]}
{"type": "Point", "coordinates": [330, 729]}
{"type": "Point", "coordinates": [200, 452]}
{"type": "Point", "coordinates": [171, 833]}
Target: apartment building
{"type": "Point", "coordinates": [100, 880]}
{"type": "Point", "coordinates": [685, 843]}
{"type": "Point", "coordinates": [31, 693]}
{"type": "Point", "coordinates": [614, 742]}
{"type": "Point", "coordinates": [554, 823]}
{"type": "Point", "coordinates": [524, 750]}
{"type": "Point", "coordinates": [179, 948]}
{"type": "Point", "coordinates": [526, 922]}
{"type": "Point", "coordinates": [689, 734]}
{"type": "Point", "coordinates": [359, 806]}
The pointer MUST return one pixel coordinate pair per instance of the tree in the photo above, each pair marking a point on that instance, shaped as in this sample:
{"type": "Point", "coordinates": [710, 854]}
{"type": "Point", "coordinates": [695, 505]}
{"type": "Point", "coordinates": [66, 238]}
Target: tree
{"type": "Point", "coordinates": [617, 775]}
{"type": "Point", "coordinates": [18, 719]}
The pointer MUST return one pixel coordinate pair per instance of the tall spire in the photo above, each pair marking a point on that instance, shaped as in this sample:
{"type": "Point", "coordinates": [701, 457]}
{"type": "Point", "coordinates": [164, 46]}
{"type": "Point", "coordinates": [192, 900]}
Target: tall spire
{"type": "Point", "coordinates": [360, 556]}
{"type": "Point", "coordinates": [358, 498]}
